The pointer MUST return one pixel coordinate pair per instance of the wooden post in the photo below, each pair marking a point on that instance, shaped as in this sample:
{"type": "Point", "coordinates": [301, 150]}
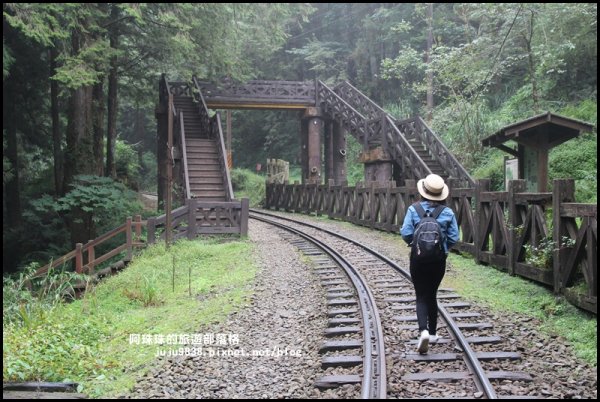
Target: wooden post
{"type": "Point", "coordinates": [128, 239]}
{"type": "Point", "coordinates": [481, 186]}
{"type": "Point", "coordinates": [151, 230]}
{"type": "Point", "coordinates": [78, 258]}
{"type": "Point", "coordinates": [372, 200]}
{"type": "Point", "coordinates": [91, 256]}
{"type": "Point", "coordinates": [169, 194]}
{"type": "Point", "coordinates": [244, 217]}
{"type": "Point", "coordinates": [563, 191]}
{"type": "Point", "coordinates": [191, 229]}
{"type": "Point", "coordinates": [514, 220]}
{"type": "Point", "coordinates": [138, 227]}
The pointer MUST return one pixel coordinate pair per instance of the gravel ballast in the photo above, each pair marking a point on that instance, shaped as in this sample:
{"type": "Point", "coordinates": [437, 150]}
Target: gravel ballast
{"type": "Point", "coordinates": [287, 314]}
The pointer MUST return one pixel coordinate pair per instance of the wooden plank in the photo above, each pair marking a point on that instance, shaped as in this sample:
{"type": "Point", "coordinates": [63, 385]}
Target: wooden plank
{"type": "Point", "coordinates": [329, 332]}
{"type": "Point", "coordinates": [444, 376]}
{"type": "Point", "coordinates": [332, 381]}
{"type": "Point", "coordinates": [341, 361]}
{"type": "Point", "coordinates": [341, 345]}
{"type": "Point", "coordinates": [41, 395]}
{"type": "Point", "coordinates": [432, 357]}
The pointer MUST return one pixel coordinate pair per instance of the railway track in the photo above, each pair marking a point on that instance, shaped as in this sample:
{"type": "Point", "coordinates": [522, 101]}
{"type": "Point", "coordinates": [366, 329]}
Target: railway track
{"type": "Point", "coordinates": [350, 303]}
{"type": "Point", "coordinates": [462, 364]}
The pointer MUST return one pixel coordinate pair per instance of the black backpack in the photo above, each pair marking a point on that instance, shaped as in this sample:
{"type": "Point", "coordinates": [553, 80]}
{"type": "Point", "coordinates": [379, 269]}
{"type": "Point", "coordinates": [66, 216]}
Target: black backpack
{"type": "Point", "coordinates": [428, 240]}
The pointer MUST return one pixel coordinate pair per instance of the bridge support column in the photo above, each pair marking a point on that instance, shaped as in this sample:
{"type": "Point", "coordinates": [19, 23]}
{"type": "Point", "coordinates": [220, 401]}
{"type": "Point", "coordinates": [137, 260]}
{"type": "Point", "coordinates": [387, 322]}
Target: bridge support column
{"type": "Point", "coordinates": [339, 153]}
{"type": "Point", "coordinates": [304, 148]}
{"type": "Point", "coordinates": [314, 120]}
{"type": "Point", "coordinates": [328, 150]}
{"type": "Point", "coordinates": [378, 165]}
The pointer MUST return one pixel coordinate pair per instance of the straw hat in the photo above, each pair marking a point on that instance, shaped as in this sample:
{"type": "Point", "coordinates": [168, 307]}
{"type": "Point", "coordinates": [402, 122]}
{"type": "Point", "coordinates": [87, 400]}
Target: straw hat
{"type": "Point", "coordinates": [433, 188]}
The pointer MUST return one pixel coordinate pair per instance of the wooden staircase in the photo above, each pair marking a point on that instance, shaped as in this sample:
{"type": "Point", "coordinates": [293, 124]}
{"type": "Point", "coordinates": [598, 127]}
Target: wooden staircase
{"type": "Point", "coordinates": [433, 164]}
{"type": "Point", "coordinates": [206, 177]}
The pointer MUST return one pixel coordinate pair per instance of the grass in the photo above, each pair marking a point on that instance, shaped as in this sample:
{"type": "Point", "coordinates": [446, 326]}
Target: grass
{"type": "Point", "coordinates": [505, 294]}
{"type": "Point", "coordinates": [247, 184]}
{"type": "Point", "coordinates": [88, 341]}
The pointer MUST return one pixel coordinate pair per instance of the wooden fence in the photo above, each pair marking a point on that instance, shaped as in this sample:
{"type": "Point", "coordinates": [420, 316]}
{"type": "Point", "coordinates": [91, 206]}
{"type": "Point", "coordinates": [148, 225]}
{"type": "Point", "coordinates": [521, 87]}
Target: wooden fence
{"type": "Point", "coordinates": [188, 221]}
{"type": "Point", "coordinates": [504, 229]}
{"type": "Point", "coordinates": [133, 232]}
{"type": "Point", "coordinates": [203, 217]}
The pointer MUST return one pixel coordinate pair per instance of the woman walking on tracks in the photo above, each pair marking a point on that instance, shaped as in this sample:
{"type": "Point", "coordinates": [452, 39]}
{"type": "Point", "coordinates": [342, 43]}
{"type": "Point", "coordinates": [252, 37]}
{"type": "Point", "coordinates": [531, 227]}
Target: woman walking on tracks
{"type": "Point", "coordinates": [430, 229]}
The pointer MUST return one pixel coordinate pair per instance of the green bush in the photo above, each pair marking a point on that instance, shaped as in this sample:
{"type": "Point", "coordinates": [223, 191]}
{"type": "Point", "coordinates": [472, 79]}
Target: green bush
{"type": "Point", "coordinates": [492, 168]}
{"type": "Point", "coordinates": [247, 184]}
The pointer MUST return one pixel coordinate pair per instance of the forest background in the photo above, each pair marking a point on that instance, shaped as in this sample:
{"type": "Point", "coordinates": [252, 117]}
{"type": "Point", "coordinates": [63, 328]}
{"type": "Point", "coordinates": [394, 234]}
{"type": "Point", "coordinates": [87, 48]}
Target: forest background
{"type": "Point", "coordinates": [80, 83]}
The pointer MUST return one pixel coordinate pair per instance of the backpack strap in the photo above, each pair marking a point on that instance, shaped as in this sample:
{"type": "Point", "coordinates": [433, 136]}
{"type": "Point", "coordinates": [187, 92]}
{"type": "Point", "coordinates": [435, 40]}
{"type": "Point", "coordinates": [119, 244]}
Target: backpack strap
{"type": "Point", "coordinates": [437, 211]}
{"type": "Point", "coordinates": [421, 212]}
{"type": "Point", "coordinates": [419, 208]}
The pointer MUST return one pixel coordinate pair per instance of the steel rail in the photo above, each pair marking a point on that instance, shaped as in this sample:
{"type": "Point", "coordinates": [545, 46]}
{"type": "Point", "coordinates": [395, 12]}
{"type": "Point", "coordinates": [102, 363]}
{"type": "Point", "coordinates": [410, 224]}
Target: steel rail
{"type": "Point", "coordinates": [374, 384]}
{"type": "Point", "coordinates": [481, 380]}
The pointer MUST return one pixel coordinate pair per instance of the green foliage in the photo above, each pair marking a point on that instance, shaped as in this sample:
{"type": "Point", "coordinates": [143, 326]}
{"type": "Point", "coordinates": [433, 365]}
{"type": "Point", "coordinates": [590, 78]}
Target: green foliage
{"type": "Point", "coordinates": [355, 170]}
{"type": "Point", "coordinates": [326, 59]}
{"type": "Point", "coordinates": [27, 301]}
{"type": "Point", "coordinates": [102, 199]}
{"type": "Point", "coordinates": [247, 184]}
{"type": "Point", "coordinates": [540, 255]}
{"type": "Point", "coordinates": [491, 167]}
{"type": "Point", "coordinates": [7, 173]}
{"type": "Point", "coordinates": [506, 295]}
{"type": "Point", "coordinates": [127, 164]}
{"type": "Point", "coordinates": [148, 172]}
{"type": "Point", "coordinates": [88, 340]}
{"type": "Point", "coordinates": [7, 60]}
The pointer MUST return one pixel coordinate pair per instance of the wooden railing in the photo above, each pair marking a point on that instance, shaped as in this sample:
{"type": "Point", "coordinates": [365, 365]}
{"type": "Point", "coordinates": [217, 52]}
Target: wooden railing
{"type": "Point", "coordinates": [186, 175]}
{"type": "Point", "coordinates": [258, 90]}
{"type": "Point", "coordinates": [132, 230]}
{"type": "Point", "coordinates": [496, 228]}
{"type": "Point", "coordinates": [417, 128]}
{"type": "Point", "coordinates": [217, 130]}
{"type": "Point", "coordinates": [411, 128]}
{"type": "Point", "coordinates": [202, 217]}
{"type": "Point", "coordinates": [188, 221]}
{"type": "Point", "coordinates": [378, 128]}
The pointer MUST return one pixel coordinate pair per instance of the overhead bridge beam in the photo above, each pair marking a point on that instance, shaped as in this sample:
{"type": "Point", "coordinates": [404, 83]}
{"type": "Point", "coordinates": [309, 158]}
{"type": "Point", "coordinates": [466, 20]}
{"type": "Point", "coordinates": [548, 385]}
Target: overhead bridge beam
{"type": "Point", "coordinates": [256, 105]}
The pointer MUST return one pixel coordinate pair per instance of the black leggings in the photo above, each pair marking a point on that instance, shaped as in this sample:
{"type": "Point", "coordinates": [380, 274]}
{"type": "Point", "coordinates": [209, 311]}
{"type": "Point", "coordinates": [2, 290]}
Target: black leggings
{"type": "Point", "coordinates": [426, 279]}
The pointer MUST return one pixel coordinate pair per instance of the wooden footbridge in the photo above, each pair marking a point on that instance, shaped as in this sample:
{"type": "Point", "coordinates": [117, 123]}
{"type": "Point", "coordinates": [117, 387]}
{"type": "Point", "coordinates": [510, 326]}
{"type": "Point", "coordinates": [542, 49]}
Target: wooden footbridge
{"type": "Point", "coordinates": [392, 149]}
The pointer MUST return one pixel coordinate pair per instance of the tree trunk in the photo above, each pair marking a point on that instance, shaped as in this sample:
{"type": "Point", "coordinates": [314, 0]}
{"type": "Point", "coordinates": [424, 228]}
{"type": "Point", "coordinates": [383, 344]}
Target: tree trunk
{"type": "Point", "coordinates": [56, 133]}
{"type": "Point", "coordinates": [111, 134]}
{"type": "Point", "coordinates": [98, 128]}
{"type": "Point", "coordinates": [527, 39]}
{"type": "Point", "coordinates": [12, 193]}
{"type": "Point", "coordinates": [427, 61]}
{"type": "Point", "coordinates": [79, 158]}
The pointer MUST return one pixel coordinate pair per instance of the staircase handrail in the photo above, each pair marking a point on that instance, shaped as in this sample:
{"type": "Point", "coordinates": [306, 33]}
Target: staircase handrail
{"type": "Point", "coordinates": [355, 119]}
{"type": "Point", "coordinates": [223, 158]}
{"type": "Point", "coordinates": [401, 149]}
{"type": "Point", "coordinates": [434, 144]}
{"type": "Point", "coordinates": [186, 176]}
{"type": "Point", "coordinates": [216, 131]}
{"type": "Point", "coordinates": [204, 114]}
{"type": "Point", "coordinates": [440, 151]}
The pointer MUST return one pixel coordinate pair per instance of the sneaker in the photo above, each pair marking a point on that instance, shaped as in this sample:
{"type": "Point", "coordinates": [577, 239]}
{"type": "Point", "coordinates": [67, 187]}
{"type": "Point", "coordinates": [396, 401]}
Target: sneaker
{"type": "Point", "coordinates": [434, 338]}
{"type": "Point", "coordinates": [423, 346]}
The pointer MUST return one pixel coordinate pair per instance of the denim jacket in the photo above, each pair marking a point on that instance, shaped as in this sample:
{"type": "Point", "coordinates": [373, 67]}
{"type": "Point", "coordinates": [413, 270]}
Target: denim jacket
{"type": "Point", "coordinates": [447, 221]}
